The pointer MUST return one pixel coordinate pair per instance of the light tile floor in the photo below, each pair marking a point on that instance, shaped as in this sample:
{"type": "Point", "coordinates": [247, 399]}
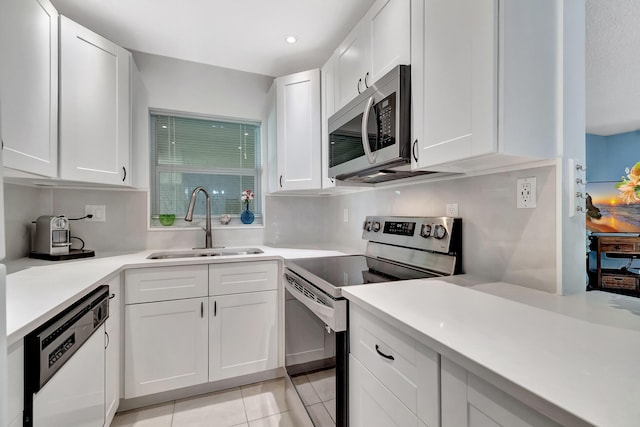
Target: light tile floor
{"type": "Point", "coordinates": [255, 405]}
{"type": "Point", "coordinates": [318, 394]}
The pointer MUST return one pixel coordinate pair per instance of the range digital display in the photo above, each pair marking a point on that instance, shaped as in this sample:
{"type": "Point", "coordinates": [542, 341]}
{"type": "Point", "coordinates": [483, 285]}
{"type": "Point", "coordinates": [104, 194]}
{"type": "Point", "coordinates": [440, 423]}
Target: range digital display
{"type": "Point", "coordinates": [399, 228]}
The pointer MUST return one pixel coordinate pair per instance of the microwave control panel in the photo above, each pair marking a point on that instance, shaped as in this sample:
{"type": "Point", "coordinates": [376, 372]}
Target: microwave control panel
{"type": "Point", "coordinates": [385, 112]}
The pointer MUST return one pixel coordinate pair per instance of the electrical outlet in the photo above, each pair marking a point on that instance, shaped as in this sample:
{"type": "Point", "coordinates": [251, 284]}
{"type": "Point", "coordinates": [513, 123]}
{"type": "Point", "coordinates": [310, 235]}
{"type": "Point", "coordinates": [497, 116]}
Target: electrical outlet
{"type": "Point", "coordinates": [345, 215]}
{"type": "Point", "coordinates": [99, 213]}
{"type": "Point", "coordinates": [452, 209]}
{"type": "Point", "coordinates": [526, 193]}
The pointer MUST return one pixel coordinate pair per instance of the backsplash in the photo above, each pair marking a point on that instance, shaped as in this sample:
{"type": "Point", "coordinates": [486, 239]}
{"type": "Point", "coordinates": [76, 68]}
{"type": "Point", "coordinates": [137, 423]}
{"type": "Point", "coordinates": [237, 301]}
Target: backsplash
{"type": "Point", "coordinates": [500, 242]}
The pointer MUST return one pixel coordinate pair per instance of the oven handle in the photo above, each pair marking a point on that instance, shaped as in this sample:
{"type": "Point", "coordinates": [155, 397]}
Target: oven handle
{"type": "Point", "coordinates": [330, 316]}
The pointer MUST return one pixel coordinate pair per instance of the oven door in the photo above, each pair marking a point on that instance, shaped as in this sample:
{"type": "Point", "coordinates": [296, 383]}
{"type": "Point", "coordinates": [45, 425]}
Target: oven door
{"type": "Point", "coordinates": [315, 354]}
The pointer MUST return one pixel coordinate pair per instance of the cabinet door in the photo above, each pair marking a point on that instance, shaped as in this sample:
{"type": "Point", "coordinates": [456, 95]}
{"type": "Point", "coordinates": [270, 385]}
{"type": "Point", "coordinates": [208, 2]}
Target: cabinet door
{"type": "Point", "coordinates": [29, 85]}
{"type": "Point", "coordinates": [243, 337]}
{"type": "Point", "coordinates": [298, 129]}
{"type": "Point", "coordinates": [327, 95]}
{"type": "Point", "coordinates": [15, 377]}
{"type": "Point", "coordinates": [454, 79]}
{"type": "Point", "coordinates": [113, 356]}
{"type": "Point", "coordinates": [165, 346]}
{"type": "Point", "coordinates": [371, 404]}
{"type": "Point", "coordinates": [470, 401]}
{"type": "Point", "coordinates": [389, 23]}
{"type": "Point", "coordinates": [112, 366]}
{"type": "Point", "coordinates": [94, 107]}
{"type": "Point", "coordinates": [352, 64]}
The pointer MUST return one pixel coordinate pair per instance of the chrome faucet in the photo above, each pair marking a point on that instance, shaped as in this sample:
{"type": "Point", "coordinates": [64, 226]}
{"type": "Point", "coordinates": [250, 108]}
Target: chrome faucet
{"type": "Point", "coordinates": [189, 215]}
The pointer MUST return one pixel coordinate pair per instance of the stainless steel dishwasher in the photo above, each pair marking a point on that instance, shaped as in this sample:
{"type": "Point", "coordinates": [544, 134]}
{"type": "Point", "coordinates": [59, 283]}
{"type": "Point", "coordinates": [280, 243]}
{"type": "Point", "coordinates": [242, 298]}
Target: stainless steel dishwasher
{"type": "Point", "coordinates": [64, 366]}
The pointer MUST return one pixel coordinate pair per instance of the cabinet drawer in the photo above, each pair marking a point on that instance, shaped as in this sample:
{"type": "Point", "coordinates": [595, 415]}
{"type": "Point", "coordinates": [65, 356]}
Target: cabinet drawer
{"type": "Point", "coordinates": [371, 404]}
{"type": "Point", "coordinates": [374, 343]}
{"type": "Point", "coordinates": [165, 283]}
{"type": "Point", "coordinates": [619, 247]}
{"type": "Point", "coordinates": [619, 282]}
{"type": "Point", "coordinates": [241, 277]}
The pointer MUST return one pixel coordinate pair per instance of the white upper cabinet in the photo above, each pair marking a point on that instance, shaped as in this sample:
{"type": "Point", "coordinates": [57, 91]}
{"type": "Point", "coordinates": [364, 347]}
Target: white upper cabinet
{"type": "Point", "coordinates": [29, 85]}
{"type": "Point", "coordinates": [483, 82]}
{"type": "Point", "coordinates": [298, 131]}
{"type": "Point", "coordinates": [95, 117]}
{"type": "Point", "coordinates": [389, 24]}
{"type": "Point", "coordinates": [327, 95]}
{"type": "Point", "coordinates": [379, 42]}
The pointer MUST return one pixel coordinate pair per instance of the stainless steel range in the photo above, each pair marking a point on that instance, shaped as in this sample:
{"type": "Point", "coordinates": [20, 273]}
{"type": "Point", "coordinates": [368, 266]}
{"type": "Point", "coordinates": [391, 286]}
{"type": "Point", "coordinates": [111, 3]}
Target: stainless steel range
{"type": "Point", "coordinates": [316, 314]}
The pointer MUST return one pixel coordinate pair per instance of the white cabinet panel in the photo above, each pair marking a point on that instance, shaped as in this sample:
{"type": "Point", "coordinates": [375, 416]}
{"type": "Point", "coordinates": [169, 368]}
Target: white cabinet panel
{"type": "Point", "coordinates": [371, 404]}
{"type": "Point", "coordinates": [112, 367]}
{"type": "Point", "coordinates": [327, 94]}
{"type": "Point", "coordinates": [483, 83]}
{"type": "Point", "coordinates": [243, 336]}
{"type": "Point", "coordinates": [352, 64]}
{"type": "Point", "coordinates": [166, 283]}
{"type": "Point", "coordinates": [298, 131]}
{"type": "Point", "coordinates": [379, 42]}
{"type": "Point", "coordinates": [390, 37]}
{"type": "Point", "coordinates": [29, 85]}
{"type": "Point", "coordinates": [389, 354]}
{"type": "Point", "coordinates": [470, 401]}
{"type": "Point", "coordinates": [15, 377]}
{"type": "Point", "coordinates": [113, 356]}
{"type": "Point", "coordinates": [165, 346]}
{"type": "Point", "coordinates": [236, 278]}
{"type": "Point", "coordinates": [95, 112]}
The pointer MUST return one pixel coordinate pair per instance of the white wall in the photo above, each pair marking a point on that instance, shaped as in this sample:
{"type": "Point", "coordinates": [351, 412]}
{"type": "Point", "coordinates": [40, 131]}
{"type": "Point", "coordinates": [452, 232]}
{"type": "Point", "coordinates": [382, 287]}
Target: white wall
{"type": "Point", "coordinates": [500, 242]}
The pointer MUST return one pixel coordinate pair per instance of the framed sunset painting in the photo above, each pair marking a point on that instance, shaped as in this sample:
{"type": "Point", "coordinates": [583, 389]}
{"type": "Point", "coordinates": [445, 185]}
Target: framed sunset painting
{"type": "Point", "coordinates": [612, 209]}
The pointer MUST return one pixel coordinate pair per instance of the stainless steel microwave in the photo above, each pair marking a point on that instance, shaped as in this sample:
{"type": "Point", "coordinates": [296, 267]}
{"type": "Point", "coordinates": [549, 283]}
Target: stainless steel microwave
{"type": "Point", "coordinates": [370, 137]}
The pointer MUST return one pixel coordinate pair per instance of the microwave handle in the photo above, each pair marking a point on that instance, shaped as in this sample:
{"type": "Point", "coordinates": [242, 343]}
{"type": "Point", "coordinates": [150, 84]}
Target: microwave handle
{"type": "Point", "coordinates": [365, 134]}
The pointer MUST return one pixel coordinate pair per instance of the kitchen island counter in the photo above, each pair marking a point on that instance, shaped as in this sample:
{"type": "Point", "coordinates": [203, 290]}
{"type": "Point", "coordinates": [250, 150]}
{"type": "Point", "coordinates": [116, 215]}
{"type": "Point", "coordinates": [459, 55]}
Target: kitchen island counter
{"type": "Point", "coordinates": [39, 292]}
{"type": "Point", "coordinates": [573, 358]}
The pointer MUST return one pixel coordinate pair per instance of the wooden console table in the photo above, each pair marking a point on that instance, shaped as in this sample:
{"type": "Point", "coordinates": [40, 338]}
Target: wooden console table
{"type": "Point", "coordinates": [619, 280]}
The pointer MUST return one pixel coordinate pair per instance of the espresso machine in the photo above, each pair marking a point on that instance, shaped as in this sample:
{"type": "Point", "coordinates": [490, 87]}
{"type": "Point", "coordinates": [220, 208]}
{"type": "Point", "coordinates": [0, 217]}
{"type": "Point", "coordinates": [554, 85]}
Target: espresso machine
{"type": "Point", "coordinates": [51, 240]}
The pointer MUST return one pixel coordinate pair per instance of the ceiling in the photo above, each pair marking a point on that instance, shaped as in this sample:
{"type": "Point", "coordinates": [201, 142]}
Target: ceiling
{"type": "Point", "coordinates": [246, 35]}
{"type": "Point", "coordinates": [612, 66]}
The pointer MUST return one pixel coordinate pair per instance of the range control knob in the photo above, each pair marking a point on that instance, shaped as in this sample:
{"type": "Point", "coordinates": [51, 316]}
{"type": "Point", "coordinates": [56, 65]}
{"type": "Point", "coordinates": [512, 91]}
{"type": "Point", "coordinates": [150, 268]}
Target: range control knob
{"type": "Point", "coordinates": [425, 230]}
{"type": "Point", "coordinates": [439, 232]}
{"type": "Point", "coordinates": [367, 226]}
{"type": "Point", "coordinates": [376, 226]}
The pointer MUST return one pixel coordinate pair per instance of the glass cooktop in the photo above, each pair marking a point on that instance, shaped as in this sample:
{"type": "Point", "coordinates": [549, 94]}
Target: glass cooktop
{"type": "Point", "coordinates": [349, 270]}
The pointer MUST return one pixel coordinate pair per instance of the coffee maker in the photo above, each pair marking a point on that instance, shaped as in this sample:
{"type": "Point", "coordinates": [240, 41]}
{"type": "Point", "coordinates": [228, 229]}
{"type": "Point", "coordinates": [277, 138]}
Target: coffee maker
{"type": "Point", "coordinates": [52, 240]}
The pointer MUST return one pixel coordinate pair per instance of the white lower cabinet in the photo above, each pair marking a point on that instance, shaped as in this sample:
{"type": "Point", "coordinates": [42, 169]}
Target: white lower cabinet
{"type": "Point", "coordinates": [406, 375]}
{"type": "Point", "coordinates": [243, 335]}
{"type": "Point", "coordinates": [15, 377]}
{"type": "Point", "coordinates": [166, 346]}
{"type": "Point", "coordinates": [371, 404]}
{"type": "Point", "coordinates": [113, 351]}
{"type": "Point", "coordinates": [187, 325]}
{"type": "Point", "coordinates": [470, 401]}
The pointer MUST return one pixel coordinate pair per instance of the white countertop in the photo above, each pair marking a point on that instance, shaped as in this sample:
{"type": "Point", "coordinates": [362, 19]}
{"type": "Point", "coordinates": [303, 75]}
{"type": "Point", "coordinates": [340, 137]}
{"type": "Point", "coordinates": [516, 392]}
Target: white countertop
{"type": "Point", "coordinates": [579, 353]}
{"type": "Point", "coordinates": [37, 293]}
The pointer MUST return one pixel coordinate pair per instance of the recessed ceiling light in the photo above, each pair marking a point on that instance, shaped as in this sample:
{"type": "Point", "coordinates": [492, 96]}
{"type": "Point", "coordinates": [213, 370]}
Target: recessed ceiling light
{"type": "Point", "coordinates": [291, 39]}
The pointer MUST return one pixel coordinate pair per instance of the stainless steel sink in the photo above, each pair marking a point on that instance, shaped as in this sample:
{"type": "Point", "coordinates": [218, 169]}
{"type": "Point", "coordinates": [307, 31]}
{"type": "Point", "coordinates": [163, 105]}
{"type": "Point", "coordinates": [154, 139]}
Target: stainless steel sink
{"type": "Point", "coordinates": [204, 253]}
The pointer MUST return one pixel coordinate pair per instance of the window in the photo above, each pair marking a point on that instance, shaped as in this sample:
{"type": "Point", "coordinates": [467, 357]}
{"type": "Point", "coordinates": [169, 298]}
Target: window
{"type": "Point", "coordinates": [222, 156]}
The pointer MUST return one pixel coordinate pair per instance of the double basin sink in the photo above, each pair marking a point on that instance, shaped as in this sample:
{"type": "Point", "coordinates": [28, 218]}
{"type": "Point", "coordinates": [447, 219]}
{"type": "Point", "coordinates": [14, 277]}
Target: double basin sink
{"type": "Point", "coordinates": [214, 252]}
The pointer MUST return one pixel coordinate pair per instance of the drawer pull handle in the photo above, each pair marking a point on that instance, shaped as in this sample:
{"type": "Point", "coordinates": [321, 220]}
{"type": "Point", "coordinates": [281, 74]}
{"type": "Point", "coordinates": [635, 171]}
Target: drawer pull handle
{"type": "Point", "coordinates": [386, 356]}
